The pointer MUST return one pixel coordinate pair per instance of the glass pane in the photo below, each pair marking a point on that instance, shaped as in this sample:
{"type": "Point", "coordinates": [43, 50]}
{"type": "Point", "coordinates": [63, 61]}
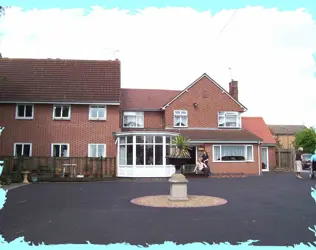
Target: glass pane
{"type": "Point", "coordinates": [177, 120]}
{"type": "Point", "coordinates": [231, 121]}
{"type": "Point", "coordinates": [93, 112]}
{"type": "Point", "coordinates": [101, 151]}
{"type": "Point", "coordinates": [184, 121]}
{"type": "Point", "coordinates": [56, 151]}
{"type": "Point", "coordinates": [233, 153]}
{"type": "Point", "coordinates": [129, 154]}
{"type": "Point", "coordinates": [64, 150]}
{"type": "Point", "coordinates": [158, 139]}
{"type": "Point", "coordinates": [28, 111]}
{"type": "Point", "coordinates": [122, 140]}
{"type": "Point", "coordinates": [58, 111]}
{"type": "Point", "coordinates": [129, 139]}
{"type": "Point", "coordinates": [129, 121]}
{"type": "Point", "coordinates": [21, 110]}
{"type": "Point", "coordinates": [158, 154]}
{"type": "Point", "coordinates": [217, 153]}
{"type": "Point", "coordinates": [265, 157]}
{"type": "Point", "coordinates": [18, 150]}
{"type": "Point", "coordinates": [122, 159]}
{"type": "Point", "coordinates": [249, 153]}
{"type": "Point", "coordinates": [140, 121]}
{"type": "Point", "coordinates": [149, 139]}
{"type": "Point", "coordinates": [168, 140]}
{"type": "Point", "coordinates": [93, 151]}
{"type": "Point", "coordinates": [139, 154]}
{"type": "Point", "coordinates": [65, 111]}
{"type": "Point", "coordinates": [139, 139]}
{"type": "Point", "coordinates": [167, 154]}
{"type": "Point", "coordinates": [149, 155]}
{"type": "Point", "coordinates": [221, 121]}
{"type": "Point", "coordinates": [27, 150]}
{"type": "Point", "coordinates": [101, 112]}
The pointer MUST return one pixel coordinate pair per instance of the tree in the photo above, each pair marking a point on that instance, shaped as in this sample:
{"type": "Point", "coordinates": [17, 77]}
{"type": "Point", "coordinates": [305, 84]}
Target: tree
{"type": "Point", "coordinates": [306, 139]}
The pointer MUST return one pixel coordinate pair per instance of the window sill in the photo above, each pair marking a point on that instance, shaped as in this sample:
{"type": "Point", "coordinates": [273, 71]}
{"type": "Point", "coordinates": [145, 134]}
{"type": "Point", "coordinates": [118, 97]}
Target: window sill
{"type": "Point", "coordinates": [133, 127]}
{"type": "Point", "coordinates": [24, 118]}
{"type": "Point", "coordinates": [229, 127]}
{"type": "Point", "coordinates": [97, 119]}
{"type": "Point", "coordinates": [61, 119]}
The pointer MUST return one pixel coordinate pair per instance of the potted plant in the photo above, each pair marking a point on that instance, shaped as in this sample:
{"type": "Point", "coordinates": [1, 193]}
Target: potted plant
{"type": "Point", "coordinates": [180, 152]}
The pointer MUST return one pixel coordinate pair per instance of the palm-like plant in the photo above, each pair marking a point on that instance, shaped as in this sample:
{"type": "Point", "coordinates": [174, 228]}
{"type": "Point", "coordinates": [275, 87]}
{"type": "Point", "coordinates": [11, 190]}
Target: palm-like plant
{"type": "Point", "coordinates": [181, 147]}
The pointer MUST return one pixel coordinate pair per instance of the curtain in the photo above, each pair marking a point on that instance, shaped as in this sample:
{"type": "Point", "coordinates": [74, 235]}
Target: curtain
{"type": "Point", "coordinates": [249, 153]}
{"type": "Point", "coordinates": [233, 151]}
{"type": "Point", "coordinates": [217, 153]}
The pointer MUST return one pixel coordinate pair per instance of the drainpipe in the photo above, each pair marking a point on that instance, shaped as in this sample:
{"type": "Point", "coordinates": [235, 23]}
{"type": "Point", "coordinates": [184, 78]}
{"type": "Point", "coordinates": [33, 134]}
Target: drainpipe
{"type": "Point", "coordinates": [259, 165]}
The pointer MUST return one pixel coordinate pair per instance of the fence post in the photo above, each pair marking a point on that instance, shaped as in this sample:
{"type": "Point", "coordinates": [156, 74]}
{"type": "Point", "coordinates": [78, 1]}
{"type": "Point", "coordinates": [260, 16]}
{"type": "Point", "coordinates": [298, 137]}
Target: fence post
{"type": "Point", "coordinates": [279, 156]}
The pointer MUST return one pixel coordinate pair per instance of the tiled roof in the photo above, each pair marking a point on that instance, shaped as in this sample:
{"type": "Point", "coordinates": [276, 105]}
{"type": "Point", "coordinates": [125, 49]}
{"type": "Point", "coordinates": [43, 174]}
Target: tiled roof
{"type": "Point", "coordinates": [59, 80]}
{"type": "Point", "coordinates": [234, 135]}
{"type": "Point", "coordinates": [286, 129]}
{"type": "Point", "coordinates": [146, 98]}
{"type": "Point", "coordinates": [257, 126]}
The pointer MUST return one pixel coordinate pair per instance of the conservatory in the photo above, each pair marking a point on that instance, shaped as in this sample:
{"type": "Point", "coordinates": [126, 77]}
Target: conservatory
{"type": "Point", "coordinates": [143, 154]}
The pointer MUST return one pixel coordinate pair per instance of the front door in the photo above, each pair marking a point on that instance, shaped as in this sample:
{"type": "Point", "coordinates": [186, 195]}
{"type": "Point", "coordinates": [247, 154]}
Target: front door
{"type": "Point", "coordinates": [265, 159]}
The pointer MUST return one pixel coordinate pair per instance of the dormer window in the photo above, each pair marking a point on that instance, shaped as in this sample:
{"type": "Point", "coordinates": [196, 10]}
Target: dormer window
{"type": "Point", "coordinates": [180, 118]}
{"type": "Point", "coordinates": [133, 119]}
{"type": "Point", "coordinates": [229, 120]}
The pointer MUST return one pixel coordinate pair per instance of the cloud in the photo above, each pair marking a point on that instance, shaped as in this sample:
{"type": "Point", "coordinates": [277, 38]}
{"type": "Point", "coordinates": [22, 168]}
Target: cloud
{"type": "Point", "coordinates": [270, 51]}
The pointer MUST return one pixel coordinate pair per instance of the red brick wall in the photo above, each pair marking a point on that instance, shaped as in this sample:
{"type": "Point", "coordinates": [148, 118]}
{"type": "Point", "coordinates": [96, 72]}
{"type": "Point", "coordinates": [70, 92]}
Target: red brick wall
{"type": "Point", "coordinates": [42, 130]}
{"type": "Point", "coordinates": [234, 167]}
{"type": "Point", "coordinates": [154, 119]}
{"type": "Point", "coordinates": [210, 100]}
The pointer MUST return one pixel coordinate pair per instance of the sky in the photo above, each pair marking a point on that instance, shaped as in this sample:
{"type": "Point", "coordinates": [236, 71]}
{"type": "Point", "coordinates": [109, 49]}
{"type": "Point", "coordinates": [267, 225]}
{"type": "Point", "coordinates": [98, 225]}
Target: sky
{"type": "Point", "coordinates": [270, 46]}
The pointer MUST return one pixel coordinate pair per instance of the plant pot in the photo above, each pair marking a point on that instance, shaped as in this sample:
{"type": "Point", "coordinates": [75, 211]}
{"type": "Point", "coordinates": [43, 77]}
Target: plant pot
{"type": "Point", "coordinates": [177, 161]}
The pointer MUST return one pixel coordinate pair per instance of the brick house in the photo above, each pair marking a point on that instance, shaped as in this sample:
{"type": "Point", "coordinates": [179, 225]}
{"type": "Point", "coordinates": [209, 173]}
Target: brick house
{"type": "Point", "coordinates": [77, 108]}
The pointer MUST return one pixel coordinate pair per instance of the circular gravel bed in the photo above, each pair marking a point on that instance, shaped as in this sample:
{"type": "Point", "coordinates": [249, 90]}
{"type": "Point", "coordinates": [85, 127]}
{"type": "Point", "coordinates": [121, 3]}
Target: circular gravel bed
{"type": "Point", "coordinates": [194, 201]}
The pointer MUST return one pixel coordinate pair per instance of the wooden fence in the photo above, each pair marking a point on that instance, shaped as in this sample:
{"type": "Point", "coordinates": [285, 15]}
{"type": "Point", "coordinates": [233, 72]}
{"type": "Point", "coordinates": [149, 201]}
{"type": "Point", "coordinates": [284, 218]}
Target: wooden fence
{"type": "Point", "coordinates": [87, 166]}
{"type": "Point", "coordinates": [285, 158]}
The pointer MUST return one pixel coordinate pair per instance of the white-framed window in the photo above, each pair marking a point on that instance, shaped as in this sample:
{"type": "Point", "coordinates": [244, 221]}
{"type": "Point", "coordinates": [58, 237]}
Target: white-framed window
{"type": "Point", "coordinates": [24, 111]}
{"type": "Point", "coordinates": [133, 119]}
{"type": "Point", "coordinates": [223, 153]}
{"type": "Point", "coordinates": [97, 112]}
{"type": "Point", "coordinates": [61, 112]}
{"type": "Point", "coordinates": [60, 150]}
{"type": "Point", "coordinates": [96, 150]}
{"type": "Point", "coordinates": [229, 119]}
{"type": "Point", "coordinates": [180, 118]}
{"type": "Point", "coordinates": [149, 150]}
{"type": "Point", "coordinates": [22, 149]}
{"type": "Point", "coordinates": [126, 150]}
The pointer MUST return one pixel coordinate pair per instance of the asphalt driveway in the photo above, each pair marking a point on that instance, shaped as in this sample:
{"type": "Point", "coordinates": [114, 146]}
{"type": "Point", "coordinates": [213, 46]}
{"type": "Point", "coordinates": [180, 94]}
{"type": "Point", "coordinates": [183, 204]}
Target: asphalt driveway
{"type": "Point", "coordinates": [276, 209]}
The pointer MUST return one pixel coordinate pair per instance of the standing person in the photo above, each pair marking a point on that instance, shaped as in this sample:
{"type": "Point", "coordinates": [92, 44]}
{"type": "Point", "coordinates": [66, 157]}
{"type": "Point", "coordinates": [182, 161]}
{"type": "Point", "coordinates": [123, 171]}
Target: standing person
{"type": "Point", "coordinates": [298, 163]}
{"type": "Point", "coordinates": [206, 170]}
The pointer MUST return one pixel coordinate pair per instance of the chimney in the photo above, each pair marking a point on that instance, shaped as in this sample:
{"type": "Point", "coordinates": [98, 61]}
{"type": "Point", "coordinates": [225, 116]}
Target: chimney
{"type": "Point", "coordinates": [233, 89]}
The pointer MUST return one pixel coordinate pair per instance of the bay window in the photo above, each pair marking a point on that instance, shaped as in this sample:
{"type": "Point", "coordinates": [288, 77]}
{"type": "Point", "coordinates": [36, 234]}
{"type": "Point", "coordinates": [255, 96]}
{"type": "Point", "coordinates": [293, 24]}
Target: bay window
{"type": "Point", "coordinates": [149, 150]}
{"type": "Point", "coordinates": [232, 153]}
{"type": "Point", "coordinates": [133, 119]}
{"type": "Point", "coordinates": [229, 120]}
